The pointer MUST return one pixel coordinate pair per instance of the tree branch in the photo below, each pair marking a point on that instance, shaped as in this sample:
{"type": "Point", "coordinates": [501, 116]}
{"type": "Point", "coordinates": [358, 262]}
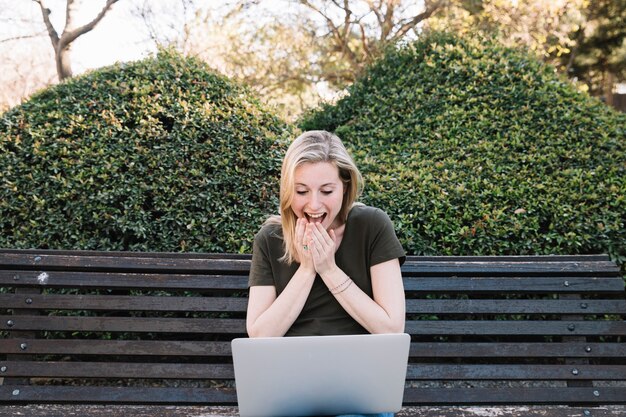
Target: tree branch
{"type": "Point", "coordinates": [17, 38]}
{"type": "Point", "coordinates": [346, 21]}
{"type": "Point", "coordinates": [376, 10]}
{"type": "Point", "coordinates": [429, 11]}
{"type": "Point", "coordinates": [52, 33]}
{"type": "Point", "coordinates": [388, 22]}
{"type": "Point", "coordinates": [70, 36]}
{"type": "Point", "coordinates": [341, 40]}
{"type": "Point", "coordinates": [329, 21]}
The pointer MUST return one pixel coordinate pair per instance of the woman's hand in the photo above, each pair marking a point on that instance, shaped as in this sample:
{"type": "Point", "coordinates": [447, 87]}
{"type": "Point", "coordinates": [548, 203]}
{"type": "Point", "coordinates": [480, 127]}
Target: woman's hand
{"type": "Point", "coordinates": [322, 248]}
{"type": "Point", "coordinates": [303, 240]}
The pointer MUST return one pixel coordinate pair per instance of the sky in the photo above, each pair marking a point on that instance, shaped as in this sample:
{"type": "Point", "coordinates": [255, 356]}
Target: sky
{"type": "Point", "coordinates": [118, 37]}
{"type": "Point", "coordinates": [27, 57]}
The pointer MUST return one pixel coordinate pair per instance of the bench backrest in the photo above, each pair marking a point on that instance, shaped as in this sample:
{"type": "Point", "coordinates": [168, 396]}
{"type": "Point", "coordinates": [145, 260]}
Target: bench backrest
{"type": "Point", "coordinates": [97, 327]}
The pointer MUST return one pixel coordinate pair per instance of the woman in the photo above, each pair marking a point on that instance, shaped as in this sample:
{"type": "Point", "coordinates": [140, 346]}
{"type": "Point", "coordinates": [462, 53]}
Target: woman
{"type": "Point", "coordinates": [327, 265]}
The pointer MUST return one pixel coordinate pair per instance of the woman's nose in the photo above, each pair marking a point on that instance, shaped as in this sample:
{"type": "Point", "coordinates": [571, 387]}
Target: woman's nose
{"type": "Point", "coordinates": [314, 201]}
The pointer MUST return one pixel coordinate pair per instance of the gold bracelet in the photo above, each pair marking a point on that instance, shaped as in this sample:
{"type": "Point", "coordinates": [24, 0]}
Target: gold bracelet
{"type": "Point", "coordinates": [332, 290]}
{"type": "Point", "coordinates": [343, 289]}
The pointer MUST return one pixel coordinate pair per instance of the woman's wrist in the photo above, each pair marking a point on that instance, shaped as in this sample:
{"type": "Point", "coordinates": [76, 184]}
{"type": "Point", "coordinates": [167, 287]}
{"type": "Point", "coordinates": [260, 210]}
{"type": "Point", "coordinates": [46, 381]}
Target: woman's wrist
{"type": "Point", "coordinates": [308, 268]}
{"type": "Point", "coordinates": [341, 287]}
{"type": "Point", "coordinates": [335, 279]}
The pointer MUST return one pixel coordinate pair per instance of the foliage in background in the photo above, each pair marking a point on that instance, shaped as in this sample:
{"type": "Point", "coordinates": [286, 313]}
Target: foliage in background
{"type": "Point", "coordinates": [474, 148]}
{"type": "Point", "coordinates": [159, 155]}
{"type": "Point", "coordinates": [585, 40]}
{"type": "Point", "coordinates": [598, 58]}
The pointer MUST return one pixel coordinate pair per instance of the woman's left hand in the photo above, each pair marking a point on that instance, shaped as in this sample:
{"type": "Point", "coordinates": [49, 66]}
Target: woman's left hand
{"type": "Point", "coordinates": [323, 248]}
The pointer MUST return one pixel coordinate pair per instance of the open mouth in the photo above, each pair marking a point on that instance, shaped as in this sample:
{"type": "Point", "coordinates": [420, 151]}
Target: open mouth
{"type": "Point", "coordinates": [315, 218]}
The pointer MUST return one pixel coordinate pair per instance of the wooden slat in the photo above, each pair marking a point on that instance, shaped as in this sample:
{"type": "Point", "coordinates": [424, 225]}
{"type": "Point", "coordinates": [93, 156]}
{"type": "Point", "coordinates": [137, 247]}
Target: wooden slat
{"type": "Point", "coordinates": [104, 262]}
{"type": "Point", "coordinates": [434, 372]}
{"type": "Point", "coordinates": [198, 262]}
{"type": "Point", "coordinates": [538, 395]}
{"type": "Point", "coordinates": [470, 306]}
{"type": "Point", "coordinates": [517, 284]}
{"type": "Point", "coordinates": [518, 350]}
{"type": "Point", "coordinates": [498, 267]}
{"type": "Point", "coordinates": [509, 258]}
{"type": "Point", "coordinates": [121, 410]}
{"type": "Point", "coordinates": [230, 304]}
{"type": "Point", "coordinates": [69, 279]}
{"type": "Point", "coordinates": [427, 285]}
{"type": "Point", "coordinates": [112, 395]}
{"type": "Point", "coordinates": [54, 369]}
{"type": "Point", "coordinates": [116, 410]}
{"type": "Point", "coordinates": [27, 253]}
{"type": "Point", "coordinates": [410, 258]}
{"type": "Point", "coordinates": [125, 303]}
{"type": "Point", "coordinates": [502, 411]}
{"type": "Point", "coordinates": [237, 326]}
{"type": "Point", "coordinates": [124, 324]}
{"type": "Point", "coordinates": [226, 396]}
{"type": "Point", "coordinates": [418, 350]}
{"type": "Point", "coordinates": [115, 347]}
{"type": "Point", "coordinates": [516, 327]}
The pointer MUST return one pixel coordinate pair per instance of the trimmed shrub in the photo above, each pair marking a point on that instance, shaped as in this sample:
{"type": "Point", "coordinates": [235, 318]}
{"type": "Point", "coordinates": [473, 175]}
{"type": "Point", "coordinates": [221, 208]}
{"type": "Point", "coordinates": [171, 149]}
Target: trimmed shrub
{"type": "Point", "coordinates": [475, 149]}
{"type": "Point", "coordinates": [157, 155]}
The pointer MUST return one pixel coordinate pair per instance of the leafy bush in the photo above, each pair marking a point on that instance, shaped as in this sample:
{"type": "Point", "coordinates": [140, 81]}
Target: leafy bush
{"type": "Point", "coordinates": [475, 149]}
{"type": "Point", "coordinates": [157, 155]}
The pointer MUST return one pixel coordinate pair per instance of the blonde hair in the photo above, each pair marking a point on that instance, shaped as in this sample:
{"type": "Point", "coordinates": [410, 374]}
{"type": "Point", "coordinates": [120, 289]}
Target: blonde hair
{"type": "Point", "coordinates": [312, 147]}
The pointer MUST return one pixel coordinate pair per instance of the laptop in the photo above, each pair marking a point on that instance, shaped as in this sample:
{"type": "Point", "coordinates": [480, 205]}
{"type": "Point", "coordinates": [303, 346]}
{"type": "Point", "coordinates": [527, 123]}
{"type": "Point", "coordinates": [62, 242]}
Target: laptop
{"type": "Point", "coordinates": [320, 375]}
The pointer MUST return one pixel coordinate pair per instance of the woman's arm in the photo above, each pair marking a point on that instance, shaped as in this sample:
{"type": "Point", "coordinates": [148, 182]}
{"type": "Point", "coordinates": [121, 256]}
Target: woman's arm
{"type": "Point", "coordinates": [271, 316]}
{"type": "Point", "coordinates": [385, 313]}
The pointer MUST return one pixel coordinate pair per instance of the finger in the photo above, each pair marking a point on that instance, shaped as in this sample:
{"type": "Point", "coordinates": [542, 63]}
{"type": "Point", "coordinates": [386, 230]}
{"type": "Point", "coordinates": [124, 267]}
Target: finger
{"type": "Point", "coordinates": [322, 248]}
{"type": "Point", "coordinates": [316, 237]}
{"type": "Point", "coordinates": [301, 232]}
{"type": "Point", "coordinates": [323, 235]}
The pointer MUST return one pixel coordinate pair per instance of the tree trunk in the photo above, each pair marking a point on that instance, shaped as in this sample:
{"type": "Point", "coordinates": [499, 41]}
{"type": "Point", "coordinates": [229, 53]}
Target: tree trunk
{"type": "Point", "coordinates": [63, 62]}
{"type": "Point", "coordinates": [609, 81]}
{"type": "Point", "coordinates": [62, 43]}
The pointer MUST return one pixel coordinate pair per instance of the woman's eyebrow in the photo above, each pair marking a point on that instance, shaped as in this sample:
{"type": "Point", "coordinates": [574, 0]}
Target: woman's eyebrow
{"type": "Point", "coordinates": [328, 184]}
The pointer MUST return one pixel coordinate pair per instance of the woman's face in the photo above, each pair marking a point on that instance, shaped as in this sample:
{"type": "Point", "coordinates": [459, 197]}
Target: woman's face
{"type": "Point", "coordinates": [318, 193]}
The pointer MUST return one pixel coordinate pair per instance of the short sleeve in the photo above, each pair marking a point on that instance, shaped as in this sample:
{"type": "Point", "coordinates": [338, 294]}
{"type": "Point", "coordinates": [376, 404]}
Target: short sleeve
{"type": "Point", "coordinates": [261, 267]}
{"type": "Point", "coordinates": [384, 244]}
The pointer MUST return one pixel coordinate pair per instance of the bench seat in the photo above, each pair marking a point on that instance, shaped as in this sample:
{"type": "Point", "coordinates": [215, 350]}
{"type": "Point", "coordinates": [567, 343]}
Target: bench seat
{"type": "Point", "coordinates": [139, 333]}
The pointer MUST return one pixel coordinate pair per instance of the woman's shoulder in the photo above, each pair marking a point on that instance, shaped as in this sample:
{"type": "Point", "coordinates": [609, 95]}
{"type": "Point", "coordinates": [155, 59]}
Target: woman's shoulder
{"type": "Point", "coordinates": [271, 229]}
{"type": "Point", "coordinates": [362, 213]}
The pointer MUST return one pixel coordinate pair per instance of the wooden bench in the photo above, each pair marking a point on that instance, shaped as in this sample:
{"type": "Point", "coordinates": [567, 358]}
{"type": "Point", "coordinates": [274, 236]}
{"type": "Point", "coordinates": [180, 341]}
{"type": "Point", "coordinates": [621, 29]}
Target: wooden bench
{"type": "Point", "coordinates": [148, 334]}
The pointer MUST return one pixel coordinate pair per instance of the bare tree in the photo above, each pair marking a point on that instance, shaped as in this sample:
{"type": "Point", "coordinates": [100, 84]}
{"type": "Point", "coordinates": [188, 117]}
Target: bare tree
{"type": "Point", "coordinates": [62, 43]}
{"type": "Point", "coordinates": [295, 53]}
{"type": "Point", "coordinates": [359, 30]}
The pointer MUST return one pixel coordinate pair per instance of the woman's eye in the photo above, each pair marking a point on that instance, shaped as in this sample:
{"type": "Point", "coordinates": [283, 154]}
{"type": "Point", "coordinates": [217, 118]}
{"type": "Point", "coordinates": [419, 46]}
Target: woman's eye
{"type": "Point", "coordinates": [301, 192]}
{"type": "Point", "coordinates": [327, 192]}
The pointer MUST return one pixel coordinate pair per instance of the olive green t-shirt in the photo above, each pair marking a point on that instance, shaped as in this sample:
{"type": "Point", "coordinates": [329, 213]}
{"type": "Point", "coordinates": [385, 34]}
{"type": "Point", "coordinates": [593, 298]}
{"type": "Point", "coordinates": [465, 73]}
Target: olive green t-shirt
{"type": "Point", "coordinates": [369, 239]}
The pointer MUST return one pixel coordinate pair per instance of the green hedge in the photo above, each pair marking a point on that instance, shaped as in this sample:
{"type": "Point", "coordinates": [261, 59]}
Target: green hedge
{"type": "Point", "coordinates": [157, 155]}
{"type": "Point", "coordinates": [474, 149]}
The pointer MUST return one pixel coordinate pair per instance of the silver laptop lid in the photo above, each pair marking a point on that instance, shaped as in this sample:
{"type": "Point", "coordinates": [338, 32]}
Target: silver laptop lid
{"type": "Point", "coordinates": [320, 375]}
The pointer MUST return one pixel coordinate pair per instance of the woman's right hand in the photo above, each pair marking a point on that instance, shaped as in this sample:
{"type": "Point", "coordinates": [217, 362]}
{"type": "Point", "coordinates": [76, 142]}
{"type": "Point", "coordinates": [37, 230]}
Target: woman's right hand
{"type": "Point", "coordinates": [303, 242]}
